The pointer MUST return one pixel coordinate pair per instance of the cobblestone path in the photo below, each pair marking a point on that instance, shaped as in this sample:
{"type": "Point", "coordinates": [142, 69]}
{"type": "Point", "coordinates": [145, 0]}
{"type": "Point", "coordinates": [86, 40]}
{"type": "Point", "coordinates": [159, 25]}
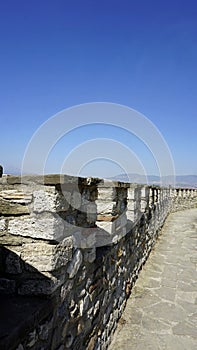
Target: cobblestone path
{"type": "Point", "coordinates": [161, 313]}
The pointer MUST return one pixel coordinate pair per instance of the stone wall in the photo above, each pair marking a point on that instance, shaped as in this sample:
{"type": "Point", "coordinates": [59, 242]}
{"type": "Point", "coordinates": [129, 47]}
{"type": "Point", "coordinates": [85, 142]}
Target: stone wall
{"type": "Point", "coordinates": [71, 250]}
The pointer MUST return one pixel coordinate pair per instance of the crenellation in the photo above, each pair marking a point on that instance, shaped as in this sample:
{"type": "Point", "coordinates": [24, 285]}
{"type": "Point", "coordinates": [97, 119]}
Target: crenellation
{"type": "Point", "coordinates": [80, 243]}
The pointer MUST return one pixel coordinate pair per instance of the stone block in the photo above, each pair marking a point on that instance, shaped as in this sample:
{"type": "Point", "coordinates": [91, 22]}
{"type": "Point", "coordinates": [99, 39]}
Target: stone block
{"type": "Point", "coordinates": [43, 226]}
{"type": "Point", "coordinates": [2, 226]}
{"type": "Point", "coordinates": [131, 205]}
{"type": "Point", "coordinates": [16, 196]}
{"type": "Point", "coordinates": [8, 208]}
{"type": "Point", "coordinates": [49, 199]}
{"type": "Point", "coordinates": [47, 257]}
{"type": "Point", "coordinates": [107, 194]}
{"type": "Point", "coordinates": [105, 207]}
{"type": "Point", "coordinates": [75, 263]}
{"type": "Point", "coordinates": [130, 215]}
{"type": "Point", "coordinates": [45, 199]}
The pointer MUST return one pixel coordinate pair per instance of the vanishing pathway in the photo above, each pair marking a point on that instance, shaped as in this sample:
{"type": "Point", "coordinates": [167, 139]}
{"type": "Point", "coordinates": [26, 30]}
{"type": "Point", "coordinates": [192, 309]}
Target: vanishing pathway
{"type": "Point", "coordinates": [161, 313]}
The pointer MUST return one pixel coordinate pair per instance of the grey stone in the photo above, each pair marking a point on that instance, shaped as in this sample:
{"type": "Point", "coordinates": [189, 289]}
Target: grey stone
{"type": "Point", "coordinates": [43, 226]}
{"type": "Point", "coordinates": [47, 257]}
{"type": "Point", "coordinates": [75, 264]}
{"type": "Point", "coordinates": [2, 226]}
{"type": "Point", "coordinates": [105, 207]}
{"type": "Point", "coordinates": [75, 200]}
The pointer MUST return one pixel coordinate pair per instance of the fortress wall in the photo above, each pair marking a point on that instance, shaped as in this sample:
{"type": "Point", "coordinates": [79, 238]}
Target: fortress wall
{"type": "Point", "coordinates": [71, 250]}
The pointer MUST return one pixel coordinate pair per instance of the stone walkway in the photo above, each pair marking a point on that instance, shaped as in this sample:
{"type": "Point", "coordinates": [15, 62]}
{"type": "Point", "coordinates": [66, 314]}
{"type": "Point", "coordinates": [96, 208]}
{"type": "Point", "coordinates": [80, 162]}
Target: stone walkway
{"type": "Point", "coordinates": [161, 313]}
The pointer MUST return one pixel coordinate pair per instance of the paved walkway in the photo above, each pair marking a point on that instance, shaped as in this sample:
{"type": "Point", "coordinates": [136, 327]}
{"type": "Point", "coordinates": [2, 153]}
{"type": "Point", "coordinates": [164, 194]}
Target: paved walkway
{"type": "Point", "coordinates": [161, 313]}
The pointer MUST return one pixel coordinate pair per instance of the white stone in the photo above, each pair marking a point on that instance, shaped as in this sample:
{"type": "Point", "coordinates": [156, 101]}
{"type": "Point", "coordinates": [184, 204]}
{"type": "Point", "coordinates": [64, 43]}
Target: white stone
{"type": "Point", "coordinates": [47, 257]}
{"type": "Point", "coordinates": [45, 200]}
{"type": "Point", "coordinates": [105, 207]}
{"type": "Point", "coordinates": [96, 307]}
{"type": "Point", "coordinates": [83, 304]}
{"type": "Point", "coordinates": [106, 226]}
{"type": "Point", "coordinates": [107, 193]}
{"type": "Point", "coordinates": [44, 226]}
{"type": "Point", "coordinates": [131, 193]}
{"type": "Point", "coordinates": [75, 264]}
{"type": "Point", "coordinates": [131, 205]}
{"type": "Point", "coordinates": [2, 224]}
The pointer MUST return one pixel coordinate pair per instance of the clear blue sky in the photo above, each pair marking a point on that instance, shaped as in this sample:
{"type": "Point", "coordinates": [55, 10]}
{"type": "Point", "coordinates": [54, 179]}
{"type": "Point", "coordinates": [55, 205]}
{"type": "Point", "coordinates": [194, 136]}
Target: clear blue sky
{"type": "Point", "coordinates": [56, 54]}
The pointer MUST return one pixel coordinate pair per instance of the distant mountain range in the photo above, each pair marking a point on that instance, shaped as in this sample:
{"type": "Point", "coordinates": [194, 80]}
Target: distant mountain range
{"type": "Point", "coordinates": [179, 180]}
{"type": "Point", "coordinates": [186, 181]}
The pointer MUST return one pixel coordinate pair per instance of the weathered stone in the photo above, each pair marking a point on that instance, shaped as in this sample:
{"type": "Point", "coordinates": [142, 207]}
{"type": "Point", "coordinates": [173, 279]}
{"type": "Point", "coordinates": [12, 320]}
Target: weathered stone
{"type": "Point", "coordinates": [43, 226]}
{"type": "Point", "coordinates": [15, 196]}
{"type": "Point", "coordinates": [96, 307]}
{"type": "Point", "coordinates": [8, 208]}
{"type": "Point", "coordinates": [48, 199]}
{"type": "Point", "coordinates": [80, 288]}
{"type": "Point", "coordinates": [47, 257]}
{"type": "Point", "coordinates": [75, 263]}
{"type": "Point", "coordinates": [2, 226]}
{"type": "Point", "coordinates": [10, 240]}
{"type": "Point", "coordinates": [83, 304]}
{"type": "Point", "coordinates": [131, 205]}
{"type": "Point", "coordinates": [108, 194]}
{"type": "Point", "coordinates": [45, 200]}
{"type": "Point", "coordinates": [105, 207]}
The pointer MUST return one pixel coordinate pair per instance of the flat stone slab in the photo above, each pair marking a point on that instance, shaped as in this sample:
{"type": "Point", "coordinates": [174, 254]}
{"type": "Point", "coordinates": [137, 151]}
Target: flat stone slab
{"type": "Point", "coordinates": [161, 312]}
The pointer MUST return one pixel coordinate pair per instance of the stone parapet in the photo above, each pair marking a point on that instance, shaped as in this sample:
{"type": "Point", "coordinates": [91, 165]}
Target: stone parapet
{"type": "Point", "coordinates": [79, 243]}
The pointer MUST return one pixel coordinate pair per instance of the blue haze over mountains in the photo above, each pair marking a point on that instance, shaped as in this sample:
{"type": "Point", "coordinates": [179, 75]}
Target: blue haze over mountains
{"type": "Point", "coordinates": [180, 180]}
{"type": "Point", "coordinates": [186, 181]}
